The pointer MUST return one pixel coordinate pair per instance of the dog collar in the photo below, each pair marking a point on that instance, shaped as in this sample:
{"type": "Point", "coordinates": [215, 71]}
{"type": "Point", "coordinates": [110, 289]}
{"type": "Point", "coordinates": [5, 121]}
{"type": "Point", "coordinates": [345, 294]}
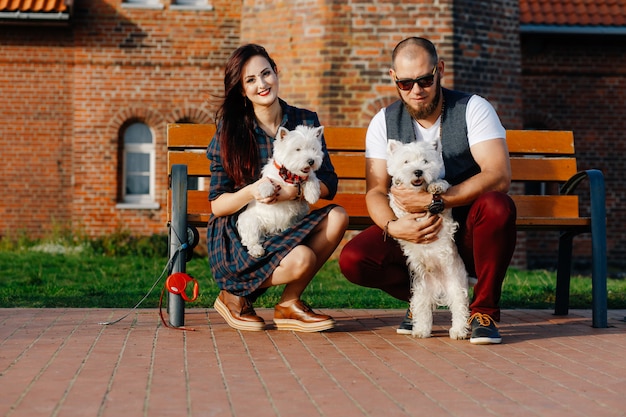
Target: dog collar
{"type": "Point", "coordinates": [288, 176]}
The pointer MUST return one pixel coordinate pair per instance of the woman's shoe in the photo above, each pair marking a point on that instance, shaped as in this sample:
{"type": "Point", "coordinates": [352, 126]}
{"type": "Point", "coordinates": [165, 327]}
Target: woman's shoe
{"type": "Point", "coordinates": [238, 312]}
{"type": "Point", "coordinates": [301, 318]}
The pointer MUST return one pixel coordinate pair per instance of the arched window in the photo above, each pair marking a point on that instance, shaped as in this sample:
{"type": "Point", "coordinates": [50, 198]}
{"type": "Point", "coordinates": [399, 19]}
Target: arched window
{"type": "Point", "coordinates": [138, 165]}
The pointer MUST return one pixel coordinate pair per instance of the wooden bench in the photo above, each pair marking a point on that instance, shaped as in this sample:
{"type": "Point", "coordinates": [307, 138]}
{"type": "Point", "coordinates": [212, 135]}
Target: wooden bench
{"type": "Point", "coordinates": [536, 157]}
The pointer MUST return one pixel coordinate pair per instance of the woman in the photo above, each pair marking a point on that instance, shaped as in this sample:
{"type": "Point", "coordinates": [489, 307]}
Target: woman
{"type": "Point", "coordinates": [248, 121]}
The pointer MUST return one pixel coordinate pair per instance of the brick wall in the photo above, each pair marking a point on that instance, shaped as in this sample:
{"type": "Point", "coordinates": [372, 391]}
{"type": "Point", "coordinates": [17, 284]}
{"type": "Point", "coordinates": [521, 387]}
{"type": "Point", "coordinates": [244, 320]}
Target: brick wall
{"type": "Point", "coordinates": [487, 55]}
{"type": "Point", "coordinates": [35, 128]}
{"type": "Point", "coordinates": [578, 83]}
{"type": "Point", "coordinates": [73, 89]}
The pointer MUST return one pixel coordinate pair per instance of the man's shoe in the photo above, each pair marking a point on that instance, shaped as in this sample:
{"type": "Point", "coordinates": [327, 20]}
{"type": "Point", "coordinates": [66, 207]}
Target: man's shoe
{"type": "Point", "coordinates": [484, 330]}
{"type": "Point", "coordinates": [238, 312]}
{"type": "Point", "coordinates": [406, 327]}
{"type": "Point", "coordinates": [301, 318]}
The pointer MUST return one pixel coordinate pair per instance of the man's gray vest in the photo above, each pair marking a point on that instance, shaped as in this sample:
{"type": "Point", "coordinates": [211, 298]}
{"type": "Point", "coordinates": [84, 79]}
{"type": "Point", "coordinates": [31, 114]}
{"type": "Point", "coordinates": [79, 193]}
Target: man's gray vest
{"type": "Point", "coordinates": [460, 165]}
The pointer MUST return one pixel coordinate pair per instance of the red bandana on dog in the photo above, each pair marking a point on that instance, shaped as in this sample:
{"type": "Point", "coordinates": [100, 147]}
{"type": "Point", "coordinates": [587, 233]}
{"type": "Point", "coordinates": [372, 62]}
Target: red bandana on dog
{"type": "Point", "coordinates": [288, 176]}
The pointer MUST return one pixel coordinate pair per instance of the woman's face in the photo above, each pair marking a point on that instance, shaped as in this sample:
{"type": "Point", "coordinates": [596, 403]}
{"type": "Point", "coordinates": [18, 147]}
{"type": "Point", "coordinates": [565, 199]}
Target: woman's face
{"type": "Point", "coordinates": [260, 82]}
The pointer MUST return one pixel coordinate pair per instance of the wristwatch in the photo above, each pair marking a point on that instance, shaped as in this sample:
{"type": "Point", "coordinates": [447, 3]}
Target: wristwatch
{"type": "Point", "coordinates": [436, 206]}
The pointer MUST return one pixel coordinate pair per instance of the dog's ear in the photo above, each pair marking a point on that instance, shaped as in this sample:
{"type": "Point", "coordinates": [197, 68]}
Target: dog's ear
{"type": "Point", "coordinates": [392, 145]}
{"type": "Point", "coordinates": [282, 132]}
{"type": "Point", "coordinates": [435, 145]}
{"type": "Point", "coordinates": [319, 131]}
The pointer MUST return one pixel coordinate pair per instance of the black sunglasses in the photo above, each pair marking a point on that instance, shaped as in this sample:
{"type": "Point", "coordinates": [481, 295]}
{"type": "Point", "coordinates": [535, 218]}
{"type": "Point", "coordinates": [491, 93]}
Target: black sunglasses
{"type": "Point", "coordinates": [424, 82]}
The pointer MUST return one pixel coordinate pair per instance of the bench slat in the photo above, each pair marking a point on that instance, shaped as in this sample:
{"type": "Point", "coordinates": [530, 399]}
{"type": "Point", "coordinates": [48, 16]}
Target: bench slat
{"type": "Point", "coordinates": [542, 169]}
{"type": "Point", "coordinates": [183, 135]}
{"type": "Point", "coordinates": [186, 135]}
{"type": "Point", "coordinates": [352, 166]}
{"type": "Point", "coordinates": [547, 206]}
{"type": "Point", "coordinates": [347, 166]}
{"type": "Point", "coordinates": [346, 139]}
{"type": "Point", "coordinates": [543, 211]}
{"type": "Point", "coordinates": [542, 142]}
{"type": "Point", "coordinates": [189, 135]}
{"type": "Point", "coordinates": [197, 162]}
{"type": "Point", "coordinates": [199, 207]}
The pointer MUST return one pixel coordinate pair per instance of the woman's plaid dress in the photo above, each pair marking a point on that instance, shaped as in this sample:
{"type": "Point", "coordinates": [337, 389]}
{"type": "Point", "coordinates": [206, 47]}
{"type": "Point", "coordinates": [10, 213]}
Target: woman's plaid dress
{"type": "Point", "coordinates": [233, 268]}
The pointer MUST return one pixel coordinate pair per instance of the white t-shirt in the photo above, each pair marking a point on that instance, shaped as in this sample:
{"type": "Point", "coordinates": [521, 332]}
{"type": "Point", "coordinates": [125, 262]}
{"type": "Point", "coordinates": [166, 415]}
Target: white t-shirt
{"type": "Point", "coordinates": [482, 121]}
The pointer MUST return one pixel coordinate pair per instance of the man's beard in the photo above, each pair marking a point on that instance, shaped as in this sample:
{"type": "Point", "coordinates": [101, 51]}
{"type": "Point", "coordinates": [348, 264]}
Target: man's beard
{"type": "Point", "coordinates": [424, 110]}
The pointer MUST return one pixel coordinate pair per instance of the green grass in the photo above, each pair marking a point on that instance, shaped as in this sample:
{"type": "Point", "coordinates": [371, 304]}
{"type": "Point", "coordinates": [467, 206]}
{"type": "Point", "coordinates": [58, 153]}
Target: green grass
{"type": "Point", "coordinates": [35, 279]}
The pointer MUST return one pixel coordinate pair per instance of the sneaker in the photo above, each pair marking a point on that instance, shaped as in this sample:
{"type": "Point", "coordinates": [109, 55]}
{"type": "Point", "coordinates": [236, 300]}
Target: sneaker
{"type": "Point", "coordinates": [484, 330]}
{"type": "Point", "coordinates": [406, 327]}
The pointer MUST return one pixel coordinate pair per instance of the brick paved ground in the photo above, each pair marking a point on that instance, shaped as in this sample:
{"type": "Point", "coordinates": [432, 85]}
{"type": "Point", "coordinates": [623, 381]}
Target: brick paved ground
{"type": "Point", "coordinates": [61, 362]}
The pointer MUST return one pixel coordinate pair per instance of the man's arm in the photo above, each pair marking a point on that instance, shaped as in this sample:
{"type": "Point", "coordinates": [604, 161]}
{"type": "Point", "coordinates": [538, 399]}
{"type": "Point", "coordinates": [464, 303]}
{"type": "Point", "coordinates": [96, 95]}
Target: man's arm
{"type": "Point", "coordinates": [377, 185]}
{"type": "Point", "coordinates": [492, 156]}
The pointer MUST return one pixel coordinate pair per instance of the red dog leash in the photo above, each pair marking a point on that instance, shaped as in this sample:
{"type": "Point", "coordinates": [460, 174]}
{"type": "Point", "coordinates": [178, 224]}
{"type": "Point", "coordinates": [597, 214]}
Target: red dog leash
{"type": "Point", "coordinates": [177, 284]}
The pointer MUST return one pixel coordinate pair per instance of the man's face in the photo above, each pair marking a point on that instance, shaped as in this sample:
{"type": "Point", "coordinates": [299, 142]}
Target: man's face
{"type": "Point", "coordinates": [420, 100]}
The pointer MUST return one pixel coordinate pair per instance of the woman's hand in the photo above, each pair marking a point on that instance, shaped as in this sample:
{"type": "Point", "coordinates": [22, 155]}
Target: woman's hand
{"type": "Point", "coordinates": [267, 191]}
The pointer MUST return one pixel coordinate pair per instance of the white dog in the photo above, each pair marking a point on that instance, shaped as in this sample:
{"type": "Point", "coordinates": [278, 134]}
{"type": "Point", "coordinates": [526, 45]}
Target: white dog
{"type": "Point", "coordinates": [437, 271]}
{"type": "Point", "coordinates": [297, 155]}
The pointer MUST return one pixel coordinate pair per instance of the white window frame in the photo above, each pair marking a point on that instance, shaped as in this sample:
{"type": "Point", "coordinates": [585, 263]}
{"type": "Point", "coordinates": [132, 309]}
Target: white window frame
{"type": "Point", "coordinates": [139, 201]}
{"type": "Point", "coordinates": [143, 4]}
{"type": "Point", "coordinates": [191, 5]}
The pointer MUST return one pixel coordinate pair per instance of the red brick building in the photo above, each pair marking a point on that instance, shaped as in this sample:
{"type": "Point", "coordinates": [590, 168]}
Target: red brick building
{"type": "Point", "coordinates": [574, 78]}
{"type": "Point", "coordinates": [88, 87]}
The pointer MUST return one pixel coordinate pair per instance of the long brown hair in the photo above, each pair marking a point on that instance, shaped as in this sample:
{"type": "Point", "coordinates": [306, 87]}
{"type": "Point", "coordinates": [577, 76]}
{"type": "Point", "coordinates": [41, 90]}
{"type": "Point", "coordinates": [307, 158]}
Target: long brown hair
{"type": "Point", "coordinates": [239, 149]}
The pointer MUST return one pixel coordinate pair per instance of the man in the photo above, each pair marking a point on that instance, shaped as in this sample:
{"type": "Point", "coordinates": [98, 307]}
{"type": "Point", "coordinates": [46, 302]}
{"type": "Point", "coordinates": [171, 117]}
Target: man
{"type": "Point", "coordinates": [478, 168]}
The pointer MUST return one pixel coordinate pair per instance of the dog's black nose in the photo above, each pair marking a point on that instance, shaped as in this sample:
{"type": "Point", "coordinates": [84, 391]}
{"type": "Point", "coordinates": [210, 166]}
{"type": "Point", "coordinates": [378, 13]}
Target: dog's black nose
{"type": "Point", "coordinates": [311, 162]}
{"type": "Point", "coordinates": [418, 173]}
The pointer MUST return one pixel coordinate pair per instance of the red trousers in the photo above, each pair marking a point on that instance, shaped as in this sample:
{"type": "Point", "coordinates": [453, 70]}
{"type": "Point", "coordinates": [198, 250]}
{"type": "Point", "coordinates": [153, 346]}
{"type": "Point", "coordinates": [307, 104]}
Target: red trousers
{"type": "Point", "coordinates": [485, 239]}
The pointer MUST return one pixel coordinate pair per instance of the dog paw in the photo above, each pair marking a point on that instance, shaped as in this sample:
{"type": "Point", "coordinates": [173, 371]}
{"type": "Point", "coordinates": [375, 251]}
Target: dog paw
{"type": "Point", "coordinates": [420, 334]}
{"type": "Point", "coordinates": [312, 191]}
{"type": "Point", "coordinates": [266, 189]}
{"type": "Point", "coordinates": [256, 251]}
{"type": "Point", "coordinates": [458, 334]}
{"type": "Point", "coordinates": [438, 187]}
{"type": "Point", "coordinates": [421, 331]}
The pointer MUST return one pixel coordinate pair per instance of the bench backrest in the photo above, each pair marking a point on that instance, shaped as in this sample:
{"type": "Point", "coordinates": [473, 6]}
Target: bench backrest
{"type": "Point", "coordinates": [543, 156]}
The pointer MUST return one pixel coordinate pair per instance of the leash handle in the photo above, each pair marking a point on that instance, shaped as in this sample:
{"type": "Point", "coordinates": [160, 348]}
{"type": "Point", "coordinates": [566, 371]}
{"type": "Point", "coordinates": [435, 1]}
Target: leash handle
{"type": "Point", "coordinates": [163, 318]}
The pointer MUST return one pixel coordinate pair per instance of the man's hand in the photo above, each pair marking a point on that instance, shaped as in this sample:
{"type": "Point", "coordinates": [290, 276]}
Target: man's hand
{"type": "Point", "coordinates": [416, 228]}
{"type": "Point", "coordinates": [411, 200]}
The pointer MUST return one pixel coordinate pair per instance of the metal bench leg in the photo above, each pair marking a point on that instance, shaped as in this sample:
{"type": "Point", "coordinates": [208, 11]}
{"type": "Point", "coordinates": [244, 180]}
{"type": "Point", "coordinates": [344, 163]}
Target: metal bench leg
{"type": "Point", "coordinates": [597, 198]}
{"type": "Point", "coordinates": [598, 248]}
{"type": "Point", "coordinates": [563, 275]}
{"type": "Point", "coordinates": [178, 237]}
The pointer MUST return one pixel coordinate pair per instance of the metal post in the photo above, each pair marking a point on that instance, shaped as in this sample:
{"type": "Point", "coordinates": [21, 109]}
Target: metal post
{"type": "Point", "coordinates": [178, 237]}
{"type": "Point", "coordinates": [598, 250]}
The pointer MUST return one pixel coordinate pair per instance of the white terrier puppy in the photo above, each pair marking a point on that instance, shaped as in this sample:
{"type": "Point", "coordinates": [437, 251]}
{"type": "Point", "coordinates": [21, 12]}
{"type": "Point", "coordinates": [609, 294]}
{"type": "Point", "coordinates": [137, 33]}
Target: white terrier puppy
{"type": "Point", "coordinates": [437, 271]}
{"type": "Point", "coordinates": [297, 154]}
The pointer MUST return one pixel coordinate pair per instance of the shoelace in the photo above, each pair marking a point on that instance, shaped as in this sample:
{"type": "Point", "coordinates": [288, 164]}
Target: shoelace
{"type": "Point", "coordinates": [247, 308]}
{"type": "Point", "coordinates": [305, 306]}
{"type": "Point", "coordinates": [483, 319]}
